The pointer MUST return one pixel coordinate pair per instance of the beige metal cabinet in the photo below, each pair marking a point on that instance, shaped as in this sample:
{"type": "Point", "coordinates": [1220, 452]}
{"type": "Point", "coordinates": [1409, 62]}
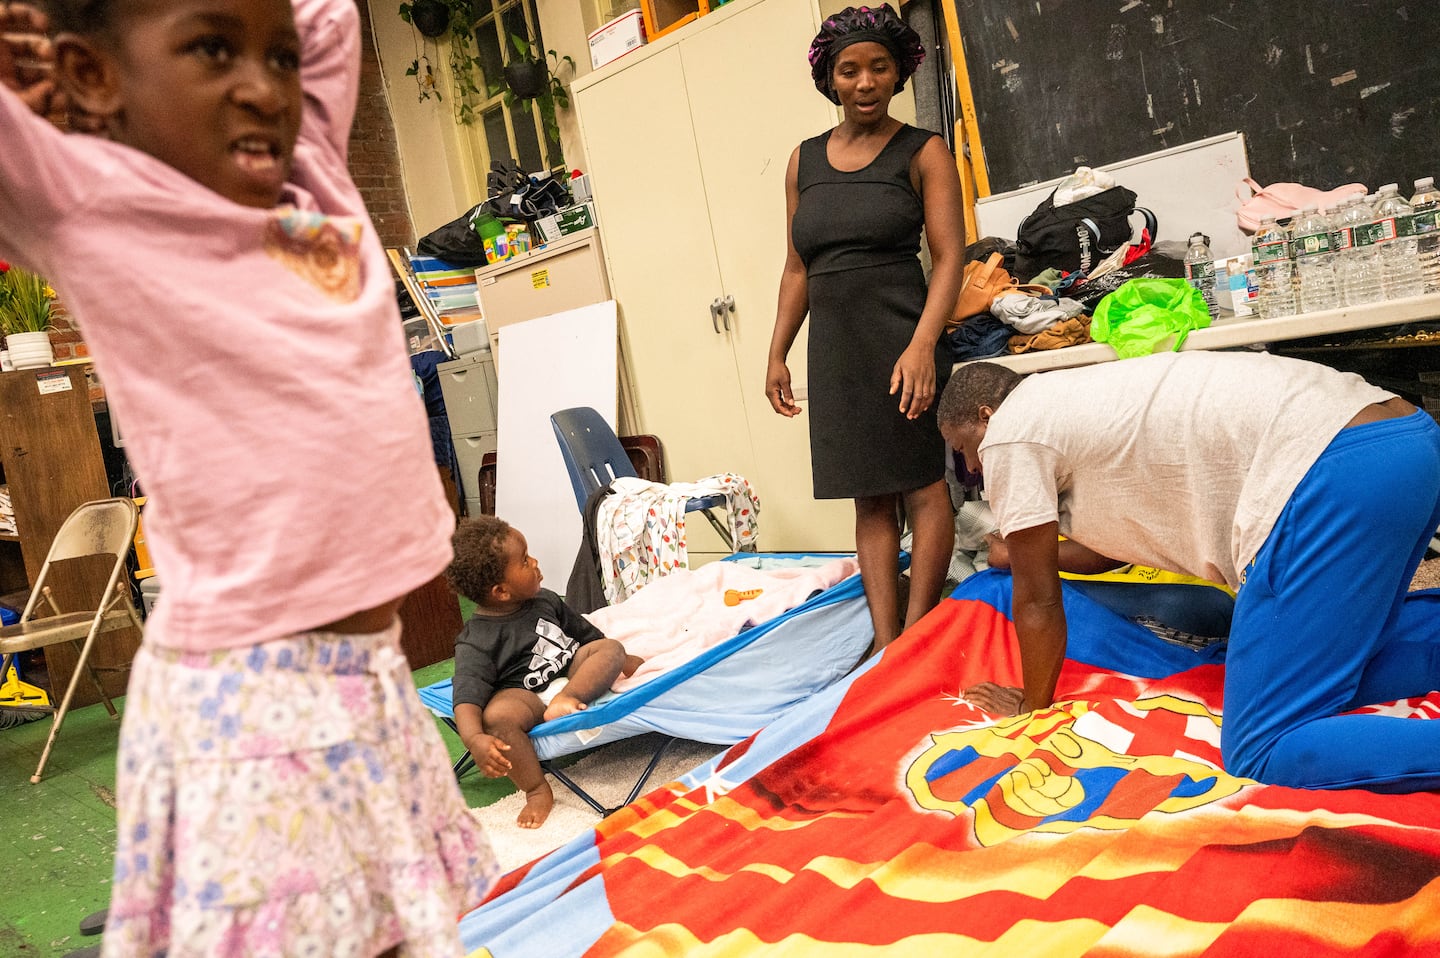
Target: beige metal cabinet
{"type": "Point", "coordinates": [566, 274]}
{"type": "Point", "coordinates": [688, 141]}
{"type": "Point", "coordinates": [471, 403]}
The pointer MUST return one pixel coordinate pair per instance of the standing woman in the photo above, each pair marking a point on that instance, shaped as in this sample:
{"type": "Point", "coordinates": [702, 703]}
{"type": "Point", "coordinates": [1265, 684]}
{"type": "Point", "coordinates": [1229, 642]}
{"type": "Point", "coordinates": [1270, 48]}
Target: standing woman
{"type": "Point", "coordinates": [857, 198]}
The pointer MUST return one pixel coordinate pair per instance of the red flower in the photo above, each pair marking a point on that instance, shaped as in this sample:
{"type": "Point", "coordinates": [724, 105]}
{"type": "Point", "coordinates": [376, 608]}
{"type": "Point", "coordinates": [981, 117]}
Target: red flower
{"type": "Point", "coordinates": [4, 267]}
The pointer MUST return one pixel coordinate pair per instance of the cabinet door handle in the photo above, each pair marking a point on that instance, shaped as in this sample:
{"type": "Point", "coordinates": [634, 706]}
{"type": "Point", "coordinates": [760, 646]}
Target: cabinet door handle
{"type": "Point", "coordinates": [728, 306]}
{"type": "Point", "coordinates": [716, 308]}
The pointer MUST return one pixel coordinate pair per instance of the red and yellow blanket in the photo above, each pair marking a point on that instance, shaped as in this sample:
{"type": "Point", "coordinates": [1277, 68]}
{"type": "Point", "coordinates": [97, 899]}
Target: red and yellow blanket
{"type": "Point", "coordinates": [887, 816]}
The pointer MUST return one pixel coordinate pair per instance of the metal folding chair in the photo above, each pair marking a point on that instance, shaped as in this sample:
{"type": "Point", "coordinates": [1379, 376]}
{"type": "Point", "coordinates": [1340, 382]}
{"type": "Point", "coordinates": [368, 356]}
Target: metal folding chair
{"type": "Point", "coordinates": [103, 527]}
{"type": "Point", "coordinates": [593, 456]}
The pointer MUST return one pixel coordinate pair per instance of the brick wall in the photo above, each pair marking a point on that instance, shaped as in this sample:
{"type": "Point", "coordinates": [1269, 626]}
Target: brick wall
{"type": "Point", "coordinates": [374, 164]}
{"type": "Point", "coordinates": [374, 156]}
{"type": "Point", "coordinates": [65, 337]}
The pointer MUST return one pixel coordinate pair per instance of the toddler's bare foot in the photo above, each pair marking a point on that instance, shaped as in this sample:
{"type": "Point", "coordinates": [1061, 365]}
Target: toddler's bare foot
{"type": "Point", "coordinates": [538, 802]}
{"type": "Point", "coordinates": [632, 662]}
{"type": "Point", "coordinates": [563, 704]}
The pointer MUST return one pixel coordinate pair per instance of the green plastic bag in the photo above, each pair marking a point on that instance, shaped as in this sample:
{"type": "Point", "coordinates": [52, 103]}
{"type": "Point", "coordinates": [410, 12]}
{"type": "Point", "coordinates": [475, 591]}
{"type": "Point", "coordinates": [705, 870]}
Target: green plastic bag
{"type": "Point", "coordinates": [1143, 314]}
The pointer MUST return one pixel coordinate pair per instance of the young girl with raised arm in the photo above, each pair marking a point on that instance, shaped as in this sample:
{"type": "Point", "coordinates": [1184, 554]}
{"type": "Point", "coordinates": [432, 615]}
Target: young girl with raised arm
{"type": "Point", "coordinates": [280, 788]}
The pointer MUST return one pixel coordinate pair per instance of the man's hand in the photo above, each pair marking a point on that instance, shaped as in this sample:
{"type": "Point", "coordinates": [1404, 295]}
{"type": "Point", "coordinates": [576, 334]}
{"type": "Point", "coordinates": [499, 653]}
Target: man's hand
{"type": "Point", "coordinates": [999, 553]}
{"type": "Point", "coordinates": [27, 57]}
{"type": "Point", "coordinates": [996, 699]}
{"type": "Point", "coordinates": [489, 754]}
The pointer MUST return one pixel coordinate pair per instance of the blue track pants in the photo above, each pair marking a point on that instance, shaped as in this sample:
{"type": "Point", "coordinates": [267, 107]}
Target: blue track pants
{"type": "Point", "coordinates": [1323, 623]}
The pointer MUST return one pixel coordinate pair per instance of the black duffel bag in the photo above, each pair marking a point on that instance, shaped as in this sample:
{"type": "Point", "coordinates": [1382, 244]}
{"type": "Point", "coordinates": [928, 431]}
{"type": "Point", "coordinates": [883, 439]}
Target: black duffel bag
{"type": "Point", "coordinates": [456, 242]}
{"type": "Point", "coordinates": [1078, 235]}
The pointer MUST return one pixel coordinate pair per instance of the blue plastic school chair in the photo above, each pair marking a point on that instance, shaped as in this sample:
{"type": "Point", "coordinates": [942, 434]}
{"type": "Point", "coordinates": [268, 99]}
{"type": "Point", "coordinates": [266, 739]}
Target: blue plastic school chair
{"type": "Point", "coordinates": [593, 456]}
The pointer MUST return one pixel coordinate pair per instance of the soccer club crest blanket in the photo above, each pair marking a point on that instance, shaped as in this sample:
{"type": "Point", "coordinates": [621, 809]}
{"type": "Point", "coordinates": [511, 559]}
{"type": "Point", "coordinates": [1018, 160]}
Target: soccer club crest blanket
{"type": "Point", "coordinates": [887, 816]}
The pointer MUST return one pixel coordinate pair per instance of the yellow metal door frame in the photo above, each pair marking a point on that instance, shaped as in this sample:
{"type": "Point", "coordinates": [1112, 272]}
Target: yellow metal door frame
{"type": "Point", "coordinates": [969, 152]}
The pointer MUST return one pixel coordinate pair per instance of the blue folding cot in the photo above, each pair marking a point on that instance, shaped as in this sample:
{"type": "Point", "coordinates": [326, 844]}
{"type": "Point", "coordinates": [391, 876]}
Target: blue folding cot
{"type": "Point", "coordinates": [724, 694]}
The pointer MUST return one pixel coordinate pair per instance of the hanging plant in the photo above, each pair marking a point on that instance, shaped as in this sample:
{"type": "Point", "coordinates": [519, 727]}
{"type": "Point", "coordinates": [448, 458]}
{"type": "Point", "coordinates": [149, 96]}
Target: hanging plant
{"type": "Point", "coordinates": [430, 17]}
{"type": "Point", "coordinates": [529, 77]}
{"type": "Point", "coordinates": [466, 71]}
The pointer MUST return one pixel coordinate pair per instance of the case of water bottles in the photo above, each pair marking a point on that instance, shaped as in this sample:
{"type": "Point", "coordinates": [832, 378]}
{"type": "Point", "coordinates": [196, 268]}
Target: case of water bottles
{"type": "Point", "coordinates": [1364, 250]}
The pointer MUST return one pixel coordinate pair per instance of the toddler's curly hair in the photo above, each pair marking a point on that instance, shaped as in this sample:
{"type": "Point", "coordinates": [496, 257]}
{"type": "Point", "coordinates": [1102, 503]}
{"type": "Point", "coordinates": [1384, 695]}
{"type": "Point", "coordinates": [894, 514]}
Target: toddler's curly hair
{"type": "Point", "coordinates": [479, 563]}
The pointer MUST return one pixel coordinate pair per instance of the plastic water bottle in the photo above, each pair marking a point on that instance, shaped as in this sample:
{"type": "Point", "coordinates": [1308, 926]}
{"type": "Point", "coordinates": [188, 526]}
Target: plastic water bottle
{"type": "Point", "coordinates": [1314, 261]}
{"type": "Point", "coordinates": [1425, 207]}
{"type": "Point", "coordinates": [1200, 270]}
{"type": "Point", "coordinates": [1273, 269]}
{"type": "Point", "coordinates": [1357, 259]}
{"type": "Point", "coordinates": [1395, 234]}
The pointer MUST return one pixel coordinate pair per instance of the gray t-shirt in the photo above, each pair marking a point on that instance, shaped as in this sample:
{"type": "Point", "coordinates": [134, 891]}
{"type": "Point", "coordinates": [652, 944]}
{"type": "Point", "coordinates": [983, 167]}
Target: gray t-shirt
{"type": "Point", "coordinates": [1182, 461]}
{"type": "Point", "coordinates": [524, 650]}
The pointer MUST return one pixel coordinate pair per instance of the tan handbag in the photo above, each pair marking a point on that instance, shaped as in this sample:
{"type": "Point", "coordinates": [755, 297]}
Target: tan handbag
{"type": "Point", "coordinates": [982, 283]}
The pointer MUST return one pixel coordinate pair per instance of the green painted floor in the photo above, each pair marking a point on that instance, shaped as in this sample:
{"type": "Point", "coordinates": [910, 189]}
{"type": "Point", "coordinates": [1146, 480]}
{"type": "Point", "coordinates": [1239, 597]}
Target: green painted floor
{"type": "Point", "coordinates": [58, 836]}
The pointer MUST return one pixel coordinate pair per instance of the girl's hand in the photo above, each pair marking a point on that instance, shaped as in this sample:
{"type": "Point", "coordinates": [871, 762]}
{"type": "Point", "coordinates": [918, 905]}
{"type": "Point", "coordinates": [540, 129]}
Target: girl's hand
{"type": "Point", "coordinates": [489, 754]}
{"type": "Point", "coordinates": [914, 379]}
{"type": "Point", "coordinates": [777, 389]}
{"type": "Point", "coordinates": [27, 57]}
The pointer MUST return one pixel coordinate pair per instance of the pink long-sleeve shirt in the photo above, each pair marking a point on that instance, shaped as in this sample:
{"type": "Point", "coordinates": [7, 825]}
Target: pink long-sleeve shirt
{"type": "Point", "coordinates": [254, 359]}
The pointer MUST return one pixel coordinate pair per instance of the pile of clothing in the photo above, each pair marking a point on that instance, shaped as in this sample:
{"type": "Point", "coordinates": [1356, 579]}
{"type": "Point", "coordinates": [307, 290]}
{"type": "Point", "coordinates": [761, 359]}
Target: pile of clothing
{"type": "Point", "coordinates": [1074, 250]}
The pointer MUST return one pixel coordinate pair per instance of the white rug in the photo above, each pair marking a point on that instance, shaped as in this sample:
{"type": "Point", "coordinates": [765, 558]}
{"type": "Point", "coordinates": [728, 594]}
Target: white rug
{"type": "Point", "coordinates": [608, 774]}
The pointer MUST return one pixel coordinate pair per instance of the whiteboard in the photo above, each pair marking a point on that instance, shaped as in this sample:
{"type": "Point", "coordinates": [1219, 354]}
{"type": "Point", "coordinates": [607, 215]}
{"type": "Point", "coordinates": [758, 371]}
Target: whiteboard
{"type": "Point", "coordinates": [547, 364]}
{"type": "Point", "coordinates": [1188, 188]}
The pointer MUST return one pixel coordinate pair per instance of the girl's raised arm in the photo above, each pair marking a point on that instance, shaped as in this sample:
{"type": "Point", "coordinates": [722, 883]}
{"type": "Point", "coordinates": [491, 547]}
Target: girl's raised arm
{"type": "Point", "coordinates": [44, 174]}
{"type": "Point", "coordinates": [330, 79]}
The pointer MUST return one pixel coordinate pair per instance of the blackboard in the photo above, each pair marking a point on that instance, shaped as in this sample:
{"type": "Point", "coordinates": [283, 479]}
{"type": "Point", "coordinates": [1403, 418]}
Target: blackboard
{"type": "Point", "coordinates": [1326, 92]}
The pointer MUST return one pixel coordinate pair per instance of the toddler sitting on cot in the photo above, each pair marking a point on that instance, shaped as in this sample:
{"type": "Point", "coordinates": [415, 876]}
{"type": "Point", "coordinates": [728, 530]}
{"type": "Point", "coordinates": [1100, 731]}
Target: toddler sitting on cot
{"type": "Point", "coordinates": [520, 639]}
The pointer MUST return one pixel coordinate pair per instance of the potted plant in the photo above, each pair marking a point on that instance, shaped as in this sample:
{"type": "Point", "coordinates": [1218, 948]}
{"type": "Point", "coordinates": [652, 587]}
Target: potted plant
{"type": "Point", "coordinates": [431, 18]}
{"type": "Point", "coordinates": [25, 300]}
{"type": "Point", "coordinates": [530, 77]}
{"type": "Point", "coordinates": [526, 74]}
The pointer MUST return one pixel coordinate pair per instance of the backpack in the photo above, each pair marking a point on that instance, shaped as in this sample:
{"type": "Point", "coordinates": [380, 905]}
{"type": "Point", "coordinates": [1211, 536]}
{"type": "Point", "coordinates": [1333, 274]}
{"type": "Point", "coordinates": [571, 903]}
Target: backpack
{"type": "Point", "coordinates": [1284, 200]}
{"type": "Point", "coordinates": [1077, 235]}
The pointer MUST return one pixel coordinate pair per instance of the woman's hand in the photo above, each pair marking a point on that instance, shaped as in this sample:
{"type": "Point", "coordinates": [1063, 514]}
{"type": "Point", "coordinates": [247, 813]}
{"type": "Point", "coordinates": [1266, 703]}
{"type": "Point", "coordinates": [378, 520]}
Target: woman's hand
{"type": "Point", "coordinates": [777, 389]}
{"type": "Point", "coordinates": [489, 754]}
{"type": "Point", "coordinates": [27, 57]}
{"type": "Point", "coordinates": [914, 379]}
{"type": "Point", "coordinates": [996, 699]}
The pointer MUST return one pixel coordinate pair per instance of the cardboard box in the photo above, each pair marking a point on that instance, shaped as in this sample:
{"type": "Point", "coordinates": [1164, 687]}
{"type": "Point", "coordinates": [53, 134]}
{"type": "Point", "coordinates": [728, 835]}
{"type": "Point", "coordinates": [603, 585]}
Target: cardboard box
{"type": "Point", "coordinates": [617, 38]}
{"type": "Point", "coordinates": [573, 219]}
{"type": "Point", "coordinates": [1236, 286]}
{"type": "Point", "coordinates": [471, 337]}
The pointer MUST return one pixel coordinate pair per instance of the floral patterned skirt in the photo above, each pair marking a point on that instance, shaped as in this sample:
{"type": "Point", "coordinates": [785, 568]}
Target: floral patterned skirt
{"type": "Point", "coordinates": [291, 798]}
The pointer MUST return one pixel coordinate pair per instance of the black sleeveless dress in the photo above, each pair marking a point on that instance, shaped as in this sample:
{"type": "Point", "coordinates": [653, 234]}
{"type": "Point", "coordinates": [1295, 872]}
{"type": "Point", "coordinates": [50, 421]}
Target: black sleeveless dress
{"type": "Point", "coordinates": [859, 237]}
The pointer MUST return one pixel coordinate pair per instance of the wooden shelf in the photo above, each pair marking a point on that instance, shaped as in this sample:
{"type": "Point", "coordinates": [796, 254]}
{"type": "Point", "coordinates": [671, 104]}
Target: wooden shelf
{"type": "Point", "coordinates": [9, 537]}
